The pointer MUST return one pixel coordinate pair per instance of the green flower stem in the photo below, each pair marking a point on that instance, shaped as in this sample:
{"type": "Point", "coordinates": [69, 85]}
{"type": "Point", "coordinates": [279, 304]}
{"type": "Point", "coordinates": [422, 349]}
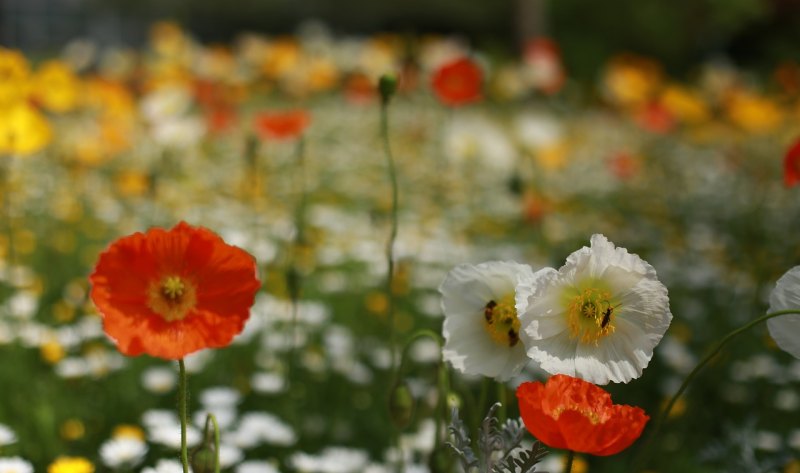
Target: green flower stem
{"type": "Point", "coordinates": [293, 279]}
{"type": "Point", "coordinates": [212, 419]}
{"type": "Point", "coordinates": [502, 412]}
{"type": "Point", "coordinates": [570, 460]}
{"type": "Point", "coordinates": [639, 460]}
{"type": "Point", "coordinates": [182, 413]}
{"type": "Point", "coordinates": [393, 233]}
{"type": "Point", "coordinates": [5, 182]}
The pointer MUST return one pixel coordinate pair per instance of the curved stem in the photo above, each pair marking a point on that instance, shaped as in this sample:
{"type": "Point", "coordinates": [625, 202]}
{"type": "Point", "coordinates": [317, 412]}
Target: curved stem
{"type": "Point", "coordinates": [182, 413]}
{"type": "Point", "coordinates": [714, 351]}
{"type": "Point", "coordinates": [570, 460]}
{"type": "Point", "coordinates": [393, 232]}
{"type": "Point", "coordinates": [211, 418]}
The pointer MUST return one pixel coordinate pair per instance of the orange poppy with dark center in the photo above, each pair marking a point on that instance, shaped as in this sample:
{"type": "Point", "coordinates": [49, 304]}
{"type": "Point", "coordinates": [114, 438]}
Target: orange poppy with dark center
{"type": "Point", "coordinates": [168, 293]}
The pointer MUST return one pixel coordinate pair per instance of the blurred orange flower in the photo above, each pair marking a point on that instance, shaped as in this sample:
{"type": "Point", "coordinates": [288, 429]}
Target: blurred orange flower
{"type": "Point", "coordinates": [458, 82]}
{"type": "Point", "coordinates": [281, 125]}
{"type": "Point", "coordinates": [573, 414]}
{"type": "Point", "coordinates": [791, 165]}
{"type": "Point", "coordinates": [168, 293]}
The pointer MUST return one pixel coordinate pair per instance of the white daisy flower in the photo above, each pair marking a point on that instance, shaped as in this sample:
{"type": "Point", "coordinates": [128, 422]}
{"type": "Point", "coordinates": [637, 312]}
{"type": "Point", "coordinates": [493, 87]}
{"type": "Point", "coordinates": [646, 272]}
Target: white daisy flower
{"type": "Point", "coordinates": [481, 328]}
{"type": "Point", "coordinates": [15, 465]}
{"type": "Point", "coordinates": [598, 317]}
{"type": "Point", "coordinates": [7, 436]}
{"type": "Point", "coordinates": [123, 452]}
{"type": "Point", "coordinates": [785, 329]}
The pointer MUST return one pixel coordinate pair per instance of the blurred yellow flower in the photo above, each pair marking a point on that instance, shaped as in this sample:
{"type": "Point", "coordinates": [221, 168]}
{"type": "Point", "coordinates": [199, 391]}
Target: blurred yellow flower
{"type": "Point", "coordinates": [280, 57]}
{"type": "Point", "coordinates": [14, 77]}
{"type": "Point", "coordinates": [56, 87]}
{"type": "Point", "coordinates": [630, 81]}
{"type": "Point", "coordinates": [52, 352]}
{"type": "Point", "coordinates": [128, 431]}
{"type": "Point", "coordinates": [552, 157]}
{"type": "Point", "coordinates": [167, 38]}
{"type": "Point", "coordinates": [23, 130]}
{"type": "Point", "coordinates": [110, 98]}
{"type": "Point", "coordinates": [71, 465]}
{"type": "Point", "coordinates": [684, 104]}
{"type": "Point", "coordinates": [753, 113]}
{"type": "Point", "coordinates": [132, 183]}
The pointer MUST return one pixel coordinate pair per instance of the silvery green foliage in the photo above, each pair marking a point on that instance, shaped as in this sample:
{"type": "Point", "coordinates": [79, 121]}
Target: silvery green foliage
{"type": "Point", "coordinates": [735, 451]}
{"type": "Point", "coordinates": [499, 446]}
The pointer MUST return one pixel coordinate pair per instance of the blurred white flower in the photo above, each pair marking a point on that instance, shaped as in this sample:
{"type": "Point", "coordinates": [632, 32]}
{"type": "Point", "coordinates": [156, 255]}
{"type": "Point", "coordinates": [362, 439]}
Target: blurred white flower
{"type": "Point", "coordinates": [15, 465]}
{"type": "Point", "coordinates": [262, 427]}
{"type": "Point", "coordinates": [169, 435]}
{"type": "Point", "coordinates": [7, 436]}
{"type": "Point", "coordinates": [225, 417]}
{"type": "Point", "coordinates": [474, 139]}
{"type": "Point", "coordinates": [159, 379]}
{"type": "Point", "coordinates": [267, 383]}
{"type": "Point", "coordinates": [23, 304]}
{"type": "Point", "coordinates": [220, 396]}
{"type": "Point", "coordinates": [599, 317]}
{"type": "Point", "coordinates": [785, 329]}
{"type": "Point", "coordinates": [166, 103]}
{"type": "Point", "coordinates": [123, 452]}
{"type": "Point", "coordinates": [331, 460]}
{"type": "Point", "coordinates": [229, 455]}
{"type": "Point", "coordinates": [256, 466]}
{"type": "Point", "coordinates": [481, 328]}
{"type": "Point", "coordinates": [165, 466]}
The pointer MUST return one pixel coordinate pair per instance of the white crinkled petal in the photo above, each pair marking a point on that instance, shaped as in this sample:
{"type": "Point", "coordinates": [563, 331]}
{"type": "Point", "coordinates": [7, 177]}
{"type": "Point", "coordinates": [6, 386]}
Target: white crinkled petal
{"type": "Point", "coordinates": [785, 329]}
{"type": "Point", "coordinates": [640, 320]}
{"type": "Point", "coordinates": [465, 292]}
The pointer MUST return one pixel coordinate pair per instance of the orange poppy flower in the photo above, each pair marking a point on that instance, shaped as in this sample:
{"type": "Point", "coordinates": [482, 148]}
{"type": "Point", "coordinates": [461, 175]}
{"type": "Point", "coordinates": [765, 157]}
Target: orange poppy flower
{"type": "Point", "coordinates": [791, 165]}
{"type": "Point", "coordinates": [573, 414]}
{"type": "Point", "coordinates": [458, 82]}
{"type": "Point", "coordinates": [168, 293]}
{"type": "Point", "coordinates": [282, 125]}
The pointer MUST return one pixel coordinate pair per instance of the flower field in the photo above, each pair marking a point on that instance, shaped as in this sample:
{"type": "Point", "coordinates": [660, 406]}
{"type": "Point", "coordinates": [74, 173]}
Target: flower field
{"type": "Point", "coordinates": [306, 223]}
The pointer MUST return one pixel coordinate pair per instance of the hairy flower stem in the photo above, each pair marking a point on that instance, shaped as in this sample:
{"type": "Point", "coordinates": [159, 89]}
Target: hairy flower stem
{"type": "Point", "coordinates": [641, 458]}
{"type": "Point", "coordinates": [183, 413]}
{"type": "Point", "coordinates": [211, 419]}
{"type": "Point", "coordinates": [570, 460]}
{"type": "Point", "coordinates": [293, 278]}
{"type": "Point", "coordinates": [393, 232]}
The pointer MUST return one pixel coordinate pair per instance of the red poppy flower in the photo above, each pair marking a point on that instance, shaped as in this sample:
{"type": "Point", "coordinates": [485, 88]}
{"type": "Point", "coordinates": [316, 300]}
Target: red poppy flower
{"type": "Point", "coordinates": [169, 293]}
{"type": "Point", "coordinates": [458, 82]}
{"type": "Point", "coordinates": [282, 125]}
{"type": "Point", "coordinates": [573, 414]}
{"type": "Point", "coordinates": [791, 165]}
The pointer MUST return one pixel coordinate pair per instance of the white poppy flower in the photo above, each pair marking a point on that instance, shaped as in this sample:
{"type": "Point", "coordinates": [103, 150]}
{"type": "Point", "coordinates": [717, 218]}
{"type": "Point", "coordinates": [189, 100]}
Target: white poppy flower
{"type": "Point", "coordinates": [785, 329]}
{"type": "Point", "coordinates": [481, 328]}
{"type": "Point", "coordinates": [598, 317]}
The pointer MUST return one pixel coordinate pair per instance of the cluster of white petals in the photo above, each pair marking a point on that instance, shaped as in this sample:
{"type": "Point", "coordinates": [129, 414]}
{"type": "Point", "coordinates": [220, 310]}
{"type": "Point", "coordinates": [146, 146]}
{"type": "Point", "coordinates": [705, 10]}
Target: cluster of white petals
{"type": "Point", "coordinates": [598, 317]}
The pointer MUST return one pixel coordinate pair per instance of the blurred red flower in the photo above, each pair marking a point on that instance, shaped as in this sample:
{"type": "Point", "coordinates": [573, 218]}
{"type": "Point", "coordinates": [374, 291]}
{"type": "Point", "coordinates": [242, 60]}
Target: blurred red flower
{"type": "Point", "coordinates": [168, 293]}
{"type": "Point", "coordinates": [573, 414]}
{"type": "Point", "coordinates": [458, 82]}
{"type": "Point", "coordinates": [791, 165]}
{"type": "Point", "coordinates": [282, 125]}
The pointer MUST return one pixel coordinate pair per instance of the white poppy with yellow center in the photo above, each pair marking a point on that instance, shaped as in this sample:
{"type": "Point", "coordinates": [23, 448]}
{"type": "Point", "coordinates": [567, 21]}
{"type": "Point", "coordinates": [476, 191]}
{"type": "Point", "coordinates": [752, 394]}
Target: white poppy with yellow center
{"type": "Point", "coordinates": [785, 329]}
{"type": "Point", "coordinates": [598, 318]}
{"type": "Point", "coordinates": [481, 328]}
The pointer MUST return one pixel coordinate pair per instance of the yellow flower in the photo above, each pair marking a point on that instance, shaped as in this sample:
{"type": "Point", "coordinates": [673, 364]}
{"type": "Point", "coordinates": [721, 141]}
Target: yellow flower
{"type": "Point", "coordinates": [753, 113]}
{"type": "Point", "coordinates": [23, 130]}
{"type": "Point", "coordinates": [128, 431]}
{"type": "Point", "coordinates": [167, 38]}
{"type": "Point", "coordinates": [14, 77]}
{"type": "Point", "coordinates": [630, 81]}
{"type": "Point", "coordinates": [71, 465]}
{"type": "Point", "coordinates": [52, 351]}
{"type": "Point", "coordinates": [56, 87]}
{"type": "Point", "coordinates": [280, 58]}
{"type": "Point", "coordinates": [684, 104]}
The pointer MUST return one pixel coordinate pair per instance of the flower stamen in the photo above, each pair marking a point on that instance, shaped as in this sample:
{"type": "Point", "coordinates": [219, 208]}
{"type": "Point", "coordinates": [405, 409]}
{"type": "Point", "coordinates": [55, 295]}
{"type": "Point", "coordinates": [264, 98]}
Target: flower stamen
{"type": "Point", "coordinates": [590, 315]}
{"type": "Point", "coordinates": [501, 322]}
{"type": "Point", "coordinates": [172, 298]}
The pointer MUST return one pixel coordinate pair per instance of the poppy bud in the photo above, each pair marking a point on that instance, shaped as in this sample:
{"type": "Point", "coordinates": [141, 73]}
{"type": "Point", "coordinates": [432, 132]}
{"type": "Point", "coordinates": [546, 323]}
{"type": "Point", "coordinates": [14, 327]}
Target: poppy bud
{"type": "Point", "coordinates": [401, 405]}
{"type": "Point", "coordinates": [203, 458]}
{"type": "Point", "coordinates": [387, 85]}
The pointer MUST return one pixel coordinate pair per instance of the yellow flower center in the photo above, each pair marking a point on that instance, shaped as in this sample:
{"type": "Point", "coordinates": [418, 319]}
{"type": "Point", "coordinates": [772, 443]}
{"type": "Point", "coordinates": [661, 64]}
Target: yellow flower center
{"type": "Point", "coordinates": [500, 321]}
{"type": "Point", "coordinates": [172, 298]}
{"type": "Point", "coordinates": [590, 312]}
